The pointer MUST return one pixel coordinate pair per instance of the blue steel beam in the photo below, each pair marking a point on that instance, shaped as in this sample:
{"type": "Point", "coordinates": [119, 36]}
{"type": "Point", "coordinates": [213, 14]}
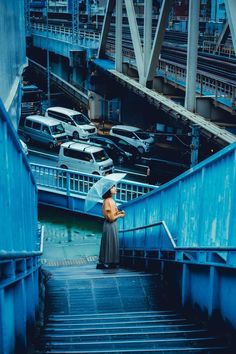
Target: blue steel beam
{"type": "Point", "coordinates": [105, 28]}
{"type": "Point", "coordinates": [133, 26]}
{"type": "Point", "coordinates": [159, 36]}
{"type": "Point", "coordinates": [118, 36]}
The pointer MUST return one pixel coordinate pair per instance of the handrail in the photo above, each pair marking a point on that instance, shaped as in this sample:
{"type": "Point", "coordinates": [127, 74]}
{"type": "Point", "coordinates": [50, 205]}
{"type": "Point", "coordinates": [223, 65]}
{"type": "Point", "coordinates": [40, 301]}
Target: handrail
{"type": "Point", "coordinates": [171, 239]}
{"type": "Point", "coordinates": [24, 254]}
{"type": "Point", "coordinates": [80, 91]}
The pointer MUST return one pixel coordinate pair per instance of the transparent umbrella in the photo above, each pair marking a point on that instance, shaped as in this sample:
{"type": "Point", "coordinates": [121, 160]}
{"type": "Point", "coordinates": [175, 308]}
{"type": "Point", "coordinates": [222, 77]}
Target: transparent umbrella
{"type": "Point", "coordinates": [101, 187]}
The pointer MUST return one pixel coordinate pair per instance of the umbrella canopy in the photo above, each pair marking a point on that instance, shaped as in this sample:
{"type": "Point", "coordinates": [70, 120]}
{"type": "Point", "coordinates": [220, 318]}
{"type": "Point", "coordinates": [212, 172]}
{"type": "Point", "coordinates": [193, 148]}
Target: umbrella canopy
{"type": "Point", "coordinates": [101, 187]}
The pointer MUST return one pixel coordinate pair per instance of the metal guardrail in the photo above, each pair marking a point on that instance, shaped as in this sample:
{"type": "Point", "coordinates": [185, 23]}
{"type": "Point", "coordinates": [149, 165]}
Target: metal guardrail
{"type": "Point", "coordinates": [71, 182]}
{"type": "Point", "coordinates": [77, 92]}
{"type": "Point", "coordinates": [64, 32]}
{"type": "Point", "coordinates": [165, 245]}
{"type": "Point", "coordinates": [222, 50]}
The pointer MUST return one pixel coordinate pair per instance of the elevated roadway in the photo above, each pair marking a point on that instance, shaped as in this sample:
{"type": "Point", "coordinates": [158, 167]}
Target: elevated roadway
{"type": "Point", "coordinates": [222, 136]}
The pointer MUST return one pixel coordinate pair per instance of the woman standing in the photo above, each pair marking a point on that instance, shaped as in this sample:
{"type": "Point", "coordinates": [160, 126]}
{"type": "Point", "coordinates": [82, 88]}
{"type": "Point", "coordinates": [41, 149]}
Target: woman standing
{"type": "Point", "coordinates": [109, 249]}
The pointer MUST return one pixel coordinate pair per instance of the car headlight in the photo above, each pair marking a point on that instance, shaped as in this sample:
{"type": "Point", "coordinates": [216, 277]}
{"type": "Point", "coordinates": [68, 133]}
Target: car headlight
{"type": "Point", "coordinates": [101, 167]}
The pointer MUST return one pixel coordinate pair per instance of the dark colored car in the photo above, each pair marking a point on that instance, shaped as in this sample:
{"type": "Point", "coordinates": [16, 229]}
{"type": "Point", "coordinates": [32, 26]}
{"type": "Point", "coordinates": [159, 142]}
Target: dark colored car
{"type": "Point", "coordinates": [128, 148]}
{"type": "Point", "coordinates": [114, 151]}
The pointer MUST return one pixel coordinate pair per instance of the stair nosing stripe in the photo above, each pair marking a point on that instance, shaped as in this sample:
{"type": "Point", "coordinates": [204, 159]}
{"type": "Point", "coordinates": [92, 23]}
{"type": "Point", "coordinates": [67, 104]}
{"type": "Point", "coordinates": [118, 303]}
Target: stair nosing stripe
{"type": "Point", "coordinates": [124, 322]}
{"type": "Point", "coordinates": [119, 327]}
{"type": "Point", "coordinates": [133, 341]}
{"type": "Point", "coordinates": [120, 313]}
{"type": "Point", "coordinates": [127, 333]}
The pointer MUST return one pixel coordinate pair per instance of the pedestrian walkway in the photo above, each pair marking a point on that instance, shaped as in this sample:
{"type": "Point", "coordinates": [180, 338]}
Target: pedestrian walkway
{"type": "Point", "coordinates": [116, 311]}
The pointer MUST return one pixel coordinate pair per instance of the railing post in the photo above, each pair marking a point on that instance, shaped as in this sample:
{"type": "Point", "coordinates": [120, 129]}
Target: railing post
{"type": "Point", "coordinates": [68, 183]}
{"type": "Point", "coordinates": [185, 284]}
{"type": "Point", "coordinates": [212, 291]}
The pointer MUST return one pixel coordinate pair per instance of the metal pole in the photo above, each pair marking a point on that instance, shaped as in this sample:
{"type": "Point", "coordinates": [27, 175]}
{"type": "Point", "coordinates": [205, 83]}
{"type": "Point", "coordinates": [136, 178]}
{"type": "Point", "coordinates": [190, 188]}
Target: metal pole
{"type": "Point", "coordinates": [118, 43]}
{"type": "Point", "coordinates": [193, 28]}
{"type": "Point", "coordinates": [194, 144]}
{"type": "Point", "coordinates": [48, 62]}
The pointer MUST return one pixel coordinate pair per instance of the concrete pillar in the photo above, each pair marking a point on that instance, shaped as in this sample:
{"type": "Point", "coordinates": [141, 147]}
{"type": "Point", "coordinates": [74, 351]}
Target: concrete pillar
{"type": "Point", "coordinates": [118, 39]}
{"type": "Point", "coordinates": [193, 28]}
{"type": "Point", "coordinates": [95, 105]}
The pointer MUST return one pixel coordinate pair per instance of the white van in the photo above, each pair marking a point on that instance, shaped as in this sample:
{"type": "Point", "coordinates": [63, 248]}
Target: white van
{"type": "Point", "coordinates": [134, 136]}
{"type": "Point", "coordinates": [85, 158]}
{"type": "Point", "coordinates": [75, 123]}
{"type": "Point", "coordinates": [46, 131]}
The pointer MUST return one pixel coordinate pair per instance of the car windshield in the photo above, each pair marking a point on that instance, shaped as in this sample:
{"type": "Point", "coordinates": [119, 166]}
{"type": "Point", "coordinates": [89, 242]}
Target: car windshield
{"type": "Point", "coordinates": [57, 129]}
{"type": "Point", "coordinates": [80, 119]}
{"type": "Point", "coordinates": [100, 156]}
{"type": "Point", "coordinates": [142, 135]}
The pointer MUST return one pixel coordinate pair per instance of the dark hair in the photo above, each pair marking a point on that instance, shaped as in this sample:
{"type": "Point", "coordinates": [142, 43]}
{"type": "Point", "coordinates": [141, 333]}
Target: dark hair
{"type": "Point", "coordinates": [108, 193]}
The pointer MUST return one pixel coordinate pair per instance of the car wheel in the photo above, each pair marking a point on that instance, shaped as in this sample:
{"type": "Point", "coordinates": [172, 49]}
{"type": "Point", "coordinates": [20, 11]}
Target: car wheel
{"type": "Point", "coordinates": [51, 146]}
{"type": "Point", "coordinates": [28, 139]}
{"type": "Point", "coordinates": [95, 173]}
{"type": "Point", "coordinates": [76, 135]}
{"type": "Point", "coordinates": [121, 160]}
{"type": "Point", "coordinates": [141, 149]}
{"type": "Point", "coordinates": [64, 166]}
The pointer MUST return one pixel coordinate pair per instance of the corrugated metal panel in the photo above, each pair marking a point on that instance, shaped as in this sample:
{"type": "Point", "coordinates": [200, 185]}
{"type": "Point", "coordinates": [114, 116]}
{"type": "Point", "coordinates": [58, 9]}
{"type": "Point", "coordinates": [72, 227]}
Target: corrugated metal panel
{"type": "Point", "coordinates": [198, 207]}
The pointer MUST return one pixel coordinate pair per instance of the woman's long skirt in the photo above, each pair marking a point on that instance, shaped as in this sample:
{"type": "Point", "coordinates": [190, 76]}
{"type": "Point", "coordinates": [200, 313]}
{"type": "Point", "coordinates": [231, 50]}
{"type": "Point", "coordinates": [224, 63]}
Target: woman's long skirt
{"type": "Point", "coordinates": [109, 248]}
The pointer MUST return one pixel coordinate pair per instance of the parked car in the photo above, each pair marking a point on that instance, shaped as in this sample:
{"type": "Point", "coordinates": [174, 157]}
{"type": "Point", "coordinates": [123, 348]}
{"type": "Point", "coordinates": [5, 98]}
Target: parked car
{"type": "Point", "coordinates": [46, 131]}
{"type": "Point", "coordinates": [76, 124]}
{"type": "Point", "coordinates": [127, 147]}
{"type": "Point", "coordinates": [85, 158]}
{"type": "Point", "coordinates": [114, 151]}
{"type": "Point", "coordinates": [133, 135]}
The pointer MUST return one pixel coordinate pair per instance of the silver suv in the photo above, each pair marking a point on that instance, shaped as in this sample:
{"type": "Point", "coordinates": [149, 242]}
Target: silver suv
{"type": "Point", "coordinates": [134, 136]}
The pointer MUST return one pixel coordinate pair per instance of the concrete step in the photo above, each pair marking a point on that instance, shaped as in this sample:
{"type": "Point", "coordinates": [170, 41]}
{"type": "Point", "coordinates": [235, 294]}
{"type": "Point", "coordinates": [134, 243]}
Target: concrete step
{"type": "Point", "coordinates": [135, 344]}
{"type": "Point", "coordinates": [124, 314]}
{"type": "Point", "coordinates": [62, 337]}
{"type": "Point", "coordinates": [122, 323]}
{"type": "Point", "coordinates": [120, 329]}
{"type": "Point", "coordinates": [113, 318]}
{"type": "Point", "coordinates": [212, 350]}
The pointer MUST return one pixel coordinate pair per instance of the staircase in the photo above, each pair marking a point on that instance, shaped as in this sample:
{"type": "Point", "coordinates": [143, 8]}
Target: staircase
{"type": "Point", "coordinates": [116, 311]}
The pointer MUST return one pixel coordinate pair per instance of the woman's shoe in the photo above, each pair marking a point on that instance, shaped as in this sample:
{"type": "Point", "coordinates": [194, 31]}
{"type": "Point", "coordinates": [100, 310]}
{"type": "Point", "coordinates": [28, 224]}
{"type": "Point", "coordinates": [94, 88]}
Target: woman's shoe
{"type": "Point", "coordinates": [101, 266]}
{"type": "Point", "coordinates": [112, 266]}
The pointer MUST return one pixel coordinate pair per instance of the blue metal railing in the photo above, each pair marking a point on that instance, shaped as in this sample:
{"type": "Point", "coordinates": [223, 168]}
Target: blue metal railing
{"type": "Point", "coordinates": [77, 183]}
{"type": "Point", "coordinates": [18, 197]}
{"type": "Point", "coordinates": [19, 242]}
{"type": "Point", "coordinates": [198, 206]}
{"type": "Point", "coordinates": [164, 247]}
